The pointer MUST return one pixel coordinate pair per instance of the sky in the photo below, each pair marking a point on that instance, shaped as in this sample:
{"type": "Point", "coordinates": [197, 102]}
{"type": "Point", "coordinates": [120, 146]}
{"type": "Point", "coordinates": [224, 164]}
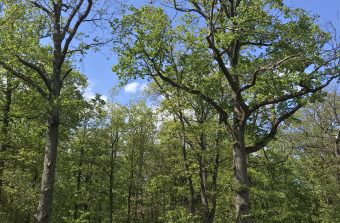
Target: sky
{"type": "Point", "coordinates": [97, 65]}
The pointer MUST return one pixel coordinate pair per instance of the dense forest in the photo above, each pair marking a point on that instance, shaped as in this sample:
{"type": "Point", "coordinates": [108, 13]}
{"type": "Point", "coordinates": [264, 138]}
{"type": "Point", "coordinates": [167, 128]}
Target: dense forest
{"type": "Point", "coordinates": [239, 122]}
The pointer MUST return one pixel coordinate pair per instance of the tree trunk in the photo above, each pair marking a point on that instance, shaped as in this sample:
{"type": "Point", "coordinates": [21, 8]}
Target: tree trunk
{"type": "Point", "coordinates": [45, 202]}
{"type": "Point", "coordinates": [79, 175]}
{"type": "Point", "coordinates": [4, 133]}
{"type": "Point", "coordinates": [130, 186]}
{"type": "Point", "coordinates": [241, 202]}
{"type": "Point", "coordinates": [113, 156]}
{"type": "Point", "coordinates": [337, 156]}
{"type": "Point", "coordinates": [215, 172]}
{"type": "Point", "coordinates": [203, 181]}
{"type": "Point", "coordinates": [188, 175]}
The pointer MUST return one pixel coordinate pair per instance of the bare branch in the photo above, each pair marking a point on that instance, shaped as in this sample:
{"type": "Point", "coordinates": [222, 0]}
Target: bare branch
{"type": "Point", "coordinates": [71, 17]}
{"type": "Point", "coordinates": [40, 6]}
{"type": "Point", "coordinates": [74, 30]}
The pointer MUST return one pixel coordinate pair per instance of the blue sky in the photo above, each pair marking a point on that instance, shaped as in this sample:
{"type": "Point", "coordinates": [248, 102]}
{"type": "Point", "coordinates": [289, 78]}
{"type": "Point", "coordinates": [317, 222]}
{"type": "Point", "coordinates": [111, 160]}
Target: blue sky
{"type": "Point", "coordinates": [97, 66]}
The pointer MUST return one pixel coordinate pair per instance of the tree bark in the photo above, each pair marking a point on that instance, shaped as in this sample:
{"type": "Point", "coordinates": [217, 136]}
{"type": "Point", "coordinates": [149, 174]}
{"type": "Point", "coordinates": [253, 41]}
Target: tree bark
{"type": "Point", "coordinates": [45, 202]}
{"type": "Point", "coordinates": [241, 202]}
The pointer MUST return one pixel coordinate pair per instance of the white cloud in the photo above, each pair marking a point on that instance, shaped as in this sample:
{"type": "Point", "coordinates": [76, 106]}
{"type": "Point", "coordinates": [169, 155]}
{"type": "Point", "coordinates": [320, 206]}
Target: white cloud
{"type": "Point", "coordinates": [105, 98]}
{"type": "Point", "coordinates": [134, 87]}
{"type": "Point", "coordinates": [88, 92]}
{"type": "Point", "coordinates": [142, 87]}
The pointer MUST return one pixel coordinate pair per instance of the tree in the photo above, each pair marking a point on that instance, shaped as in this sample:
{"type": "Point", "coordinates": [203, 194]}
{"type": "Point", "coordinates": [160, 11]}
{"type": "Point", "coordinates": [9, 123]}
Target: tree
{"type": "Point", "coordinates": [316, 139]}
{"type": "Point", "coordinates": [59, 21]}
{"type": "Point", "coordinates": [295, 177]}
{"type": "Point", "coordinates": [195, 133]}
{"type": "Point", "coordinates": [240, 46]}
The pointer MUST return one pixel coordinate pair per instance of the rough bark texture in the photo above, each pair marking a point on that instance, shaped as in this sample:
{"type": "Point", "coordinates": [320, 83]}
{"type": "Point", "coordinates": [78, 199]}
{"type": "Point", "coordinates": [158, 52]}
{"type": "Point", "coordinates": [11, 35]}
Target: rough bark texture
{"type": "Point", "coordinates": [45, 202]}
{"type": "Point", "coordinates": [242, 206]}
{"type": "Point", "coordinates": [241, 182]}
{"type": "Point", "coordinates": [44, 210]}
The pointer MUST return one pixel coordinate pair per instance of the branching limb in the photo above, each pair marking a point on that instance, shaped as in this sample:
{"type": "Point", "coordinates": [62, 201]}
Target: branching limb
{"type": "Point", "coordinates": [74, 30]}
{"type": "Point", "coordinates": [71, 17]}
{"type": "Point", "coordinates": [272, 133]}
{"type": "Point", "coordinates": [26, 79]}
{"type": "Point", "coordinates": [197, 8]}
{"type": "Point", "coordinates": [266, 68]}
{"type": "Point", "coordinates": [40, 6]}
{"type": "Point", "coordinates": [66, 74]}
{"type": "Point", "coordinates": [297, 94]}
{"type": "Point", "coordinates": [39, 70]}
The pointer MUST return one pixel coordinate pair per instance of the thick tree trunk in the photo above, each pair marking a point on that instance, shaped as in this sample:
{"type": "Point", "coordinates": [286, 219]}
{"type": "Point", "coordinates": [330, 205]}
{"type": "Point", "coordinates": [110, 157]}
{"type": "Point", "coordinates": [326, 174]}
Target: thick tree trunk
{"type": "Point", "coordinates": [241, 202]}
{"type": "Point", "coordinates": [45, 202]}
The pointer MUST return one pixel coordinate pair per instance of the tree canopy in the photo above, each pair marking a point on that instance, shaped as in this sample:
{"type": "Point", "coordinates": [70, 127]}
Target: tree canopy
{"type": "Point", "coordinates": [237, 122]}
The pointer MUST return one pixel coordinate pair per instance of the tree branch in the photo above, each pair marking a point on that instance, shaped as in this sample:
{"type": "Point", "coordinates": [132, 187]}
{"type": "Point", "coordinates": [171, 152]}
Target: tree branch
{"type": "Point", "coordinates": [265, 139]}
{"type": "Point", "coordinates": [40, 71]}
{"type": "Point", "coordinates": [297, 94]}
{"type": "Point", "coordinates": [73, 32]}
{"type": "Point", "coordinates": [244, 43]}
{"type": "Point", "coordinates": [189, 90]}
{"type": "Point", "coordinates": [26, 79]}
{"type": "Point", "coordinates": [197, 9]}
{"type": "Point", "coordinates": [40, 6]}
{"type": "Point", "coordinates": [266, 68]}
{"type": "Point", "coordinates": [71, 17]}
{"type": "Point", "coordinates": [66, 74]}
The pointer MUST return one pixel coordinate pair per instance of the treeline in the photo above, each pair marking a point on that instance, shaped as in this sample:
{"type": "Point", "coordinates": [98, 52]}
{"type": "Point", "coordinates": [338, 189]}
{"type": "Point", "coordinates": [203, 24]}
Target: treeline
{"type": "Point", "coordinates": [170, 163]}
{"type": "Point", "coordinates": [236, 126]}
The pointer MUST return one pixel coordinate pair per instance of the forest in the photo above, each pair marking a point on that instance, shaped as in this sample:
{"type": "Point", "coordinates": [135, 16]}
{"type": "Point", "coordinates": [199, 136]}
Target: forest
{"type": "Point", "coordinates": [238, 121]}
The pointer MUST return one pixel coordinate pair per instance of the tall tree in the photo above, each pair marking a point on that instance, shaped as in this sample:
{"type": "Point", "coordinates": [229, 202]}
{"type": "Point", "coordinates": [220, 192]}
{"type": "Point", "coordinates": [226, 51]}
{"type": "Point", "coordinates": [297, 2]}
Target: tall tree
{"type": "Point", "coordinates": [198, 131]}
{"type": "Point", "coordinates": [59, 22]}
{"type": "Point", "coordinates": [241, 46]}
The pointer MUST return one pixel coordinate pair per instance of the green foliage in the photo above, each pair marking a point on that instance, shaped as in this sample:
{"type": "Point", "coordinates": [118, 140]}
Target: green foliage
{"type": "Point", "coordinates": [137, 163]}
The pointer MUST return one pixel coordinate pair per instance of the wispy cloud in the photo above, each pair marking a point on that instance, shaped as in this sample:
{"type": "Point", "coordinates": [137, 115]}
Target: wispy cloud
{"type": "Point", "coordinates": [134, 87]}
{"type": "Point", "coordinates": [89, 92]}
